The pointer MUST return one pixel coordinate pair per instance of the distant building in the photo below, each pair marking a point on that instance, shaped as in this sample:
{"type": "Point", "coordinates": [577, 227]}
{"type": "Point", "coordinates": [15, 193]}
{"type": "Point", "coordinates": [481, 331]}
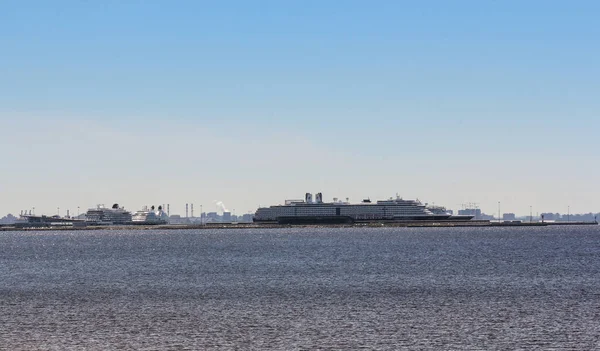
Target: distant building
{"type": "Point", "coordinates": [226, 217]}
{"type": "Point", "coordinates": [550, 216]}
{"type": "Point", "coordinates": [509, 217]}
{"type": "Point", "coordinates": [8, 219]}
{"type": "Point", "coordinates": [247, 218]}
{"type": "Point", "coordinates": [177, 219]}
{"type": "Point", "coordinates": [585, 217]}
{"type": "Point", "coordinates": [213, 217]}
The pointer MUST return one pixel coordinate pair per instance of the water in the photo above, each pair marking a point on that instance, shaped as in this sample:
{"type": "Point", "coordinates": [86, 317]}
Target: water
{"type": "Point", "coordinates": [304, 289]}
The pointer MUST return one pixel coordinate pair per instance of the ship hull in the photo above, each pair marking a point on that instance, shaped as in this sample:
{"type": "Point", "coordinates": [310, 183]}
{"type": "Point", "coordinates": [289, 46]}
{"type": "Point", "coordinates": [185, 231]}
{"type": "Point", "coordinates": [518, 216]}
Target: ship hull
{"type": "Point", "coordinates": [432, 218]}
{"type": "Point", "coordinates": [159, 222]}
{"type": "Point", "coordinates": [315, 220]}
{"type": "Point", "coordinates": [460, 218]}
{"type": "Point", "coordinates": [348, 220]}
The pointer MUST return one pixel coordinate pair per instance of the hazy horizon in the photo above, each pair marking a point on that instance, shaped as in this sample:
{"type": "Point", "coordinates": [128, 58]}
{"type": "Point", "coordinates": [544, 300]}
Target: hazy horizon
{"type": "Point", "coordinates": [254, 103]}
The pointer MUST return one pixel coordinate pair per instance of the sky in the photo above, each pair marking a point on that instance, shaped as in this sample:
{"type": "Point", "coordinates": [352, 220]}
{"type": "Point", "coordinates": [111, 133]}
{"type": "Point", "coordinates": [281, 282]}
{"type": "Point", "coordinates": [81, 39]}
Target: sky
{"type": "Point", "coordinates": [254, 102]}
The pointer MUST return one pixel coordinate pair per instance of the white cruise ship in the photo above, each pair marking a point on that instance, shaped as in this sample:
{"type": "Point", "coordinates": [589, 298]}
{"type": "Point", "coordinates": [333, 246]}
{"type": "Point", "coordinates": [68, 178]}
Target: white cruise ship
{"type": "Point", "coordinates": [103, 215]}
{"type": "Point", "coordinates": [146, 216]}
{"type": "Point", "coordinates": [308, 211]}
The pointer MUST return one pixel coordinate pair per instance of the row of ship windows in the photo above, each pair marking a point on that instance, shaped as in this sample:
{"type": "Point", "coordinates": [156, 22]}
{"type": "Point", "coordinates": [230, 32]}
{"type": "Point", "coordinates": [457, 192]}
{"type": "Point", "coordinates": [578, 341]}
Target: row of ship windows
{"type": "Point", "coordinates": [343, 213]}
{"type": "Point", "coordinates": [333, 210]}
{"type": "Point", "coordinates": [359, 210]}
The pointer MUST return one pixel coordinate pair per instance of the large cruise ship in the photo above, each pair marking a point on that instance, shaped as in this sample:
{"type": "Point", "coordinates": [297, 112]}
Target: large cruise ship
{"type": "Point", "coordinates": [308, 211]}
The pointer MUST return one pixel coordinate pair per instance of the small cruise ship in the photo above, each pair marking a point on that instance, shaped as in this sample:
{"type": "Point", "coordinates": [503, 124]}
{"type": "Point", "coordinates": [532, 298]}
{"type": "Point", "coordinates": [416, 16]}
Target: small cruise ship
{"type": "Point", "coordinates": [308, 211]}
{"type": "Point", "coordinates": [151, 216]}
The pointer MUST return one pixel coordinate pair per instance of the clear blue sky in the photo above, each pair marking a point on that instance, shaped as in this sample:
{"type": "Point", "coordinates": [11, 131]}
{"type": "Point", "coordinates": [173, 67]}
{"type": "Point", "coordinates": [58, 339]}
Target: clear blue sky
{"type": "Point", "coordinates": [252, 102]}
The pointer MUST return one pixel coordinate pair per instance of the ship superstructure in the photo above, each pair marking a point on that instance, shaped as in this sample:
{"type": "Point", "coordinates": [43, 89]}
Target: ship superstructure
{"type": "Point", "coordinates": [309, 211]}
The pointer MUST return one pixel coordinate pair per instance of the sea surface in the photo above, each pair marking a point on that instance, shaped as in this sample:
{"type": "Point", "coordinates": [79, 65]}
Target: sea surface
{"type": "Point", "coordinates": [302, 289]}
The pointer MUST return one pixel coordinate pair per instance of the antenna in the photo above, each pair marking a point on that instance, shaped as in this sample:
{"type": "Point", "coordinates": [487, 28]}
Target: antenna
{"type": "Point", "coordinates": [530, 214]}
{"type": "Point", "coordinates": [498, 211]}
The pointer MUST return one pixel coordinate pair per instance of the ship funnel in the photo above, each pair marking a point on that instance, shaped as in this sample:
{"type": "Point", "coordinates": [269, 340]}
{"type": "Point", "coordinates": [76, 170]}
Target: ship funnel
{"type": "Point", "coordinates": [308, 198]}
{"type": "Point", "coordinates": [319, 198]}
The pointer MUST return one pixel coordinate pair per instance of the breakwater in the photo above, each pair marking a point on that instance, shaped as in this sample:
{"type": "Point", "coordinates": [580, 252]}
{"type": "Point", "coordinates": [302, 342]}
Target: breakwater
{"type": "Point", "coordinates": [411, 224]}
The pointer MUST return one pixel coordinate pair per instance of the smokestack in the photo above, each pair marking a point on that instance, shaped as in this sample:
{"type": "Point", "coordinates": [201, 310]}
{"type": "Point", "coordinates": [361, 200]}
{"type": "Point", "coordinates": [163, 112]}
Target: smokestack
{"type": "Point", "coordinates": [192, 210]}
{"type": "Point", "coordinates": [168, 210]}
{"type": "Point", "coordinates": [319, 199]}
{"type": "Point", "coordinates": [308, 198]}
{"type": "Point", "coordinates": [186, 210]}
